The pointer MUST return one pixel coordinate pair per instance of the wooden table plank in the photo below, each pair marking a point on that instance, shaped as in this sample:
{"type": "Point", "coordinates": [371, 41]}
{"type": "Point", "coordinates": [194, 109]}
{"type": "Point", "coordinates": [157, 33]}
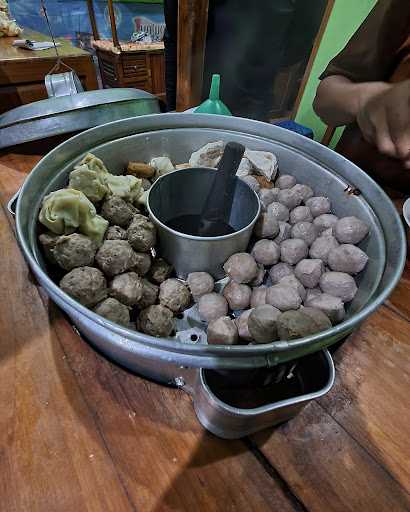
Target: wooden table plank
{"type": "Point", "coordinates": [400, 298]}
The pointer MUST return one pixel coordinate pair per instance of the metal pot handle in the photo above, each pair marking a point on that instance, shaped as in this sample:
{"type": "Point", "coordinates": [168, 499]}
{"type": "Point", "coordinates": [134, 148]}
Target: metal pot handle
{"type": "Point", "coordinates": [11, 205]}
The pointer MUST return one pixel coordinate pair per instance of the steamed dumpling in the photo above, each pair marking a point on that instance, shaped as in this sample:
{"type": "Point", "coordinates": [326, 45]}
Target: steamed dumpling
{"type": "Point", "coordinates": [94, 164]}
{"type": "Point", "coordinates": [127, 187]}
{"type": "Point", "coordinates": [90, 182]}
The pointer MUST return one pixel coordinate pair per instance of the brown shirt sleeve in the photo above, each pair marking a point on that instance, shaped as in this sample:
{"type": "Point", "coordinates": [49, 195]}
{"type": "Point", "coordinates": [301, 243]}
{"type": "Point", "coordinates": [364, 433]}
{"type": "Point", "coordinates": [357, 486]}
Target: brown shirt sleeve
{"type": "Point", "coordinates": [371, 52]}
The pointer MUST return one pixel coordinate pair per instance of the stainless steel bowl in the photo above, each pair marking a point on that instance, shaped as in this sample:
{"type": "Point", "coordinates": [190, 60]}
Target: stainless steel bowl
{"type": "Point", "coordinates": [177, 135]}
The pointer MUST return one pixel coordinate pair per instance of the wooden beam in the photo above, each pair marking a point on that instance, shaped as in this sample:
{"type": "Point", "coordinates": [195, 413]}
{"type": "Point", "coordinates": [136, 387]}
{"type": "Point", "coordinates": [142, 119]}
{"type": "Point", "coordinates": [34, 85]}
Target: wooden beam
{"type": "Point", "coordinates": [192, 28]}
{"type": "Point", "coordinates": [93, 20]}
{"type": "Point", "coordinates": [115, 40]}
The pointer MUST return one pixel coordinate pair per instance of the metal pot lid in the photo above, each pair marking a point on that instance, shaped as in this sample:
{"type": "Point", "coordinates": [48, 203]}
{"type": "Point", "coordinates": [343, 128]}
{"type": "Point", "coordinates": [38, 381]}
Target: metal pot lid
{"type": "Point", "coordinates": [61, 104]}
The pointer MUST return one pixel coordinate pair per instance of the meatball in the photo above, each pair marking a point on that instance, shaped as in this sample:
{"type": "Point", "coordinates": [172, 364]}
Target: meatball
{"type": "Point", "coordinates": [72, 251]}
{"type": "Point", "coordinates": [309, 271]}
{"type": "Point", "coordinates": [266, 226]}
{"type": "Point", "coordinates": [258, 297]}
{"type": "Point", "coordinates": [294, 282]}
{"type": "Point", "coordinates": [156, 321]}
{"type": "Point", "coordinates": [149, 294]}
{"type": "Point", "coordinates": [347, 258]}
{"type": "Point", "coordinates": [293, 250]}
{"type": "Point", "coordinates": [339, 284]}
{"type": "Point", "coordinates": [289, 198]}
{"type": "Point", "coordinates": [85, 284]}
{"type": "Point", "coordinates": [331, 306]}
{"type": "Point", "coordinates": [283, 297]}
{"type": "Point", "coordinates": [321, 320]}
{"type": "Point", "coordinates": [279, 211]}
{"type": "Point", "coordinates": [260, 276]}
{"type": "Point", "coordinates": [212, 306]}
{"type": "Point", "coordinates": [262, 323]}
{"type": "Point", "coordinates": [280, 270]}
{"type": "Point", "coordinates": [284, 232]}
{"type": "Point", "coordinates": [267, 196]}
{"type": "Point", "coordinates": [115, 257]}
{"type": "Point", "coordinates": [48, 242]}
{"type": "Point", "coordinates": [127, 288]}
{"type": "Point", "coordinates": [174, 295]}
{"type": "Point", "coordinates": [318, 205]}
{"type": "Point", "coordinates": [285, 181]}
{"type": "Point", "coordinates": [322, 246]}
{"type": "Point", "coordinates": [241, 267]}
{"type": "Point", "coordinates": [300, 214]}
{"type": "Point", "coordinates": [292, 325]}
{"type": "Point", "coordinates": [141, 233]}
{"type": "Point", "coordinates": [160, 271]}
{"type": "Point", "coordinates": [117, 211]}
{"type": "Point", "coordinates": [115, 233]}
{"type": "Point", "coordinates": [304, 191]}
{"type": "Point", "coordinates": [237, 295]}
{"type": "Point", "coordinates": [200, 283]}
{"type": "Point", "coordinates": [113, 310]}
{"type": "Point", "coordinates": [324, 222]}
{"type": "Point", "coordinates": [350, 230]}
{"type": "Point", "coordinates": [242, 325]}
{"type": "Point", "coordinates": [311, 293]}
{"type": "Point", "coordinates": [252, 182]}
{"type": "Point", "coordinates": [142, 263]}
{"type": "Point", "coordinates": [304, 231]}
{"type": "Point", "coordinates": [222, 331]}
{"type": "Point", "coordinates": [266, 252]}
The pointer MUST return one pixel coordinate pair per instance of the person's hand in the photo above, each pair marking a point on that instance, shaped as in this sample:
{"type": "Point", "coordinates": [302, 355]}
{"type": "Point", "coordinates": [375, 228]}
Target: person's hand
{"type": "Point", "coordinates": [384, 119]}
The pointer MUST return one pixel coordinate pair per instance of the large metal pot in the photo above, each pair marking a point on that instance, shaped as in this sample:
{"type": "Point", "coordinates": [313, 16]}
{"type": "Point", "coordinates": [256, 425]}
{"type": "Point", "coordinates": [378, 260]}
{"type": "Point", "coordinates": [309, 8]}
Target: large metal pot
{"type": "Point", "coordinates": [177, 135]}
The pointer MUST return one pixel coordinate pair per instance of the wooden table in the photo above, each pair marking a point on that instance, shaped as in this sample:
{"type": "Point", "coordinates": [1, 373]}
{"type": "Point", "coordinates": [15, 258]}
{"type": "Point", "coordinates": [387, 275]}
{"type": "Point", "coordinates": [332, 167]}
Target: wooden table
{"type": "Point", "coordinates": [22, 71]}
{"type": "Point", "coordinates": [78, 433]}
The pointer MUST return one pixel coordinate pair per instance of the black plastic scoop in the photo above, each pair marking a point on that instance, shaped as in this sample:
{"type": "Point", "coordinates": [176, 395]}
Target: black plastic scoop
{"type": "Point", "coordinates": [218, 205]}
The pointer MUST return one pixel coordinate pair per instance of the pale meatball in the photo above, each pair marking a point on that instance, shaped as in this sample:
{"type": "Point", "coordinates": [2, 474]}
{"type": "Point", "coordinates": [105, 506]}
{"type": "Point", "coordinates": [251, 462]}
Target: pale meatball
{"type": "Point", "coordinates": [309, 272]}
{"type": "Point", "coordinates": [200, 283]}
{"type": "Point", "coordinates": [285, 181]}
{"type": "Point", "coordinates": [347, 258]}
{"type": "Point", "coordinates": [142, 263]}
{"type": "Point", "coordinates": [242, 325]}
{"type": "Point", "coordinates": [72, 251]}
{"type": "Point", "coordinates": [300, 214]}
{"type": "Point", "coordinates": [237, 295]}
{"type": "Point", "coordinates": [321, 319]}
{"type": "Point", "coordinates": [280, 270]}
{"type": "Point", "coordinates": [321, 247]}
{"type": "Point", "coordinates": [141, 233]}
{"type": "Point", "coordinates": [290, 198]}
{"type": "Point", "coordinates": [115, 257]}
{"type": "Point", "coordinates": [283, 297]}
{"type": "Point", "coordinates": [292, 325]}
{"type": "Point", "coordinates": [212, 306]}
{"type": "Point", "coordinates": [339, 284]}
{"type": "Point", "coordinates": [258, 297]}
{"type": "Point", "coordinates": [325, 222]}
{"type": "Point", "coordinates": [279, 211]}
{"type": "Point", "coordinates": [266, 252]}
{"type": "Point", "coordinates": [48, 242]}
{"type": "Point", "coordinates": [267, 226]}
{"type": "Point", "coordinates": [160, 271]}
{"type": "Point", "coordinates": [285, 230]}
{"type": "Point", "coordinates": [293, 250]}
{"type": "Point", "coordinates": [267, 196]}
{"type": "Point", "coordinates": [222, 331]}
{"type": "Point", "coordinates": [260, 276]}
{"type": "Point", "coordinates": [241, 267]}
{"type": "Point", "coordinates": [304, 231]}
{"type": "Point", "coordinates": [115, 233]}
{"type": "Point", "coordinates": [304, 191]}
{"type": "Point", "coordinates": [117, 211]}
{"type": "Point", "coordinates": [156, 321]}
{"type": "Point", "coordinates": [85, 284]}
{"type": "Point", "coordinates": [318, 205]}
{"type": "Point", "coordinates": [113, 310]}
{"type": "Point", "coordinates": [149, 294]}
{"type": "Point", "coordinates": [332, 306]}
{"type": "Point", "coordinates": [174, 295]}
{"type": "Point", "coordinates": [252, 182]}
{"type": "Point", "coordinates": [262, 323]}
{"type": "Point", "coordinates": [127, 288]}
{"type": "Point", "coordinates": [294, 282]}
{"type": "Point", "coordinates": [312, 293]}
{"type": "Point", "coordinates": [350, 230]}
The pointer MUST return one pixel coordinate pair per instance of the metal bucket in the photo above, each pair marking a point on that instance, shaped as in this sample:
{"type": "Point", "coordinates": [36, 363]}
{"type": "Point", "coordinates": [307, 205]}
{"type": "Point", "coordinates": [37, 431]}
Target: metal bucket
{"type": "Point", "coordinates": [177, 135]}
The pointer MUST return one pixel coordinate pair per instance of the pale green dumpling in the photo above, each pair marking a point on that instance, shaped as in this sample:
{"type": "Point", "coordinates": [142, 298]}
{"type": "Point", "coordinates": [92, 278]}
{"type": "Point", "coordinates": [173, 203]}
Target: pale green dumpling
{"type": "Point", "coordinates": [94, 164]}
{"type": "Point", "coordinates": [90, 182]}
{"type": "Point", "coordinates": [127, 187]}
{"type": "Point", "coordinates": [66, 210]}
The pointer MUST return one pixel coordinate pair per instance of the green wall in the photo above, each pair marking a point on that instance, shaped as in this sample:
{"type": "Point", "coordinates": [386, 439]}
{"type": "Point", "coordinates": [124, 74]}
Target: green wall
{"type": "Point", "coordinates": [345, 17]}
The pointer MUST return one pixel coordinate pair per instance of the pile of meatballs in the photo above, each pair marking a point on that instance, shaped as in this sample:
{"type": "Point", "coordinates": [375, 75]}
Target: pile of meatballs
{"type": "Point", "coordinates": [295, 280]}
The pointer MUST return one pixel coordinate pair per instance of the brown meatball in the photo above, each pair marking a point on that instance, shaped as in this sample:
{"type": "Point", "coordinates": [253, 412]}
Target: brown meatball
{"type": "Point", "coordinates": [350, 230]}
{"type": "Point", "coordinates": [339, 284]}
{"type": "Point", "coordinates": [304, 191]}
{"type": "Point", "coordinates": [212, 306]}
{"type": "Point", "coordinates": [260, 276]}
{"type": "Point", "coordinates": [262, 323]}
{"type": "Point", "coordinates": [48, 242]}
{"type": "Point", "coordinates": [267, 196]}
{"type": "Point", "coordinates": [284, 232]}
{"type": "Point", "coordinates": [321, 320]}
{"type": "Point", "coordinates": [266, 252]}
{"type": "Point", "coordinates": [115, 233]}
{"type": "Point", "coordinates": [321, 247]}
{"type": "Point", "coordinates": [115, 257]}
{"type": "Point", "coordinates": [294, 282]}
{"type": "Point", "coordinates": [113, 310]}
{"type": "Point", "coordinates": [266, 226]}
{"type": "Point", "coordinates": [347, 258]}
{"type": "Point", "coordinates": [142, 263]}
{"type": "Point", "coordinates": [222, 331]}
{"type": "Point", "coordinates": [174, 295]}
{"type": "Point", "coordinates": [241, 267]}
{"type": "Point", "coordinates": [149, 294]}
{"type": "Point", "coordinates": [117, 211]}
{"type": "Point", "coordinates": [237, 295]}
{"type": "Point", "coordinates": [156, 321]}
{"type": "Point", "coordinates": [290, 198]}
{"type": "Point", "coordinates": [304, 231]}
{"type": "Point", "coordinates": [160, 271]}
{"type": "Point", "coordinates": [85, 284]}
{"type": "Point", "coordinates": [295, 324]}
{"type": "Point", "coordinates": [300, 214]}
{"type": "Point", "coordinates": [279, 211]}
{"type": "Point", "coordinates": [311, 293]}
{"type": "Point", "coordinates": [72, 251]}
{"type": "Point", "coordinates": [141, 234]}
{"type": "Point", "coordinates": [293, 250]}
{"type": "Point", "coordinates": [318, 205]}
{"type": "Point", "coordinates": [283, 297]}
{"type": "Point", "coordinates": [280, 270]}
{"type": "Point", "coordinates": [309, 271]}
{"type": "Point", "coordinates": [331, 306]}
{"type": "Point", "coordinates": [324, 222]}
{"type": "Point", "coordinates": [242, 325]}
{"type": "Point", "coordinates": [258, 297]}
{"type": "Point", "coordinates": [285, 181]}
{"type": "Point", "coordinates": [200, 283]}
{"type": "Point", "coordinates": [127, 288]}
